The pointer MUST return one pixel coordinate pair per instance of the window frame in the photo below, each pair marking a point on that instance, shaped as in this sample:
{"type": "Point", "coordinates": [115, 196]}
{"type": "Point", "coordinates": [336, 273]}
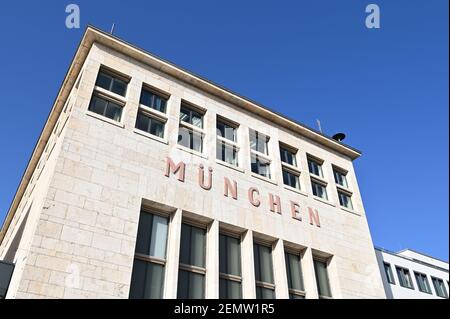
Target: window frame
{"type": "Point", "coordinates": [193, 268]}
{"type": "Point", "coordinates": [402, 270]}
{"type": "Point", "coordinates": [191, 128]}
{"type": "Point", "coordinates": [115, 75]}
{"type": "Point", "coordinates": [225, 142]}
{"type": "Point", "coordinates": [427, 283]}
{"type": "Point", "coordinates": [290, 168]}
{"type": "Point", "coordinates": [388, 272]}
{"type": "Point", "coordinates": [439, 280]}
{"type": "Point", "coordinates": [149, 258]}
{"type": "Point", "coordinates": [232, 277]}
{"type": "Point", "coordinates": [326, 262]}
{"type": "Point", "coordinates": [259, 283]}
{"type": "Point", "coordinates": [299, 254]}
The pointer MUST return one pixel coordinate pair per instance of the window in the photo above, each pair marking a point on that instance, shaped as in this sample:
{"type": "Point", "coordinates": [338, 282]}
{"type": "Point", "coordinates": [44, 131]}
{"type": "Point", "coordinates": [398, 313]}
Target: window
{"type": "Point", "coordinates": [319, 189]}
{"type": "Point", "coordinates": [153, 100]}
{"type": "Point", "coordinates": [230, 281]}
{"type": "Point", "coordinates": [104, 103]}
{"type": "Point", "coordinates": [323, 284]}
{"type": "Point", "coordinates": [265, 287]}
{"type": "Point", "coordinates": [439, 287]}
{"type": "Point", "coordinates": [260, 165]}
{"type": "Point", "coordinates": [147, 123]}
{"type": "Point", "coordinates": [6, 271]}
{"type": "Point", "coordinates": [260, 162]}
{"type": "Point", "coordinates": [112, 82]}
{"type": "Point", "coordinates": [226, 146]}
{"type": "Point", "coordinates": [259, 142]}
{"type": "Point", "coordinates": [106, 107]}
{"type": "Point", "coordinates": [345, 199]}
{"type": "Point", "coordinates": [389, 274]}
{"type": "Point", "coordinates": [422, 282]}
{"type": "Point", "coordinates": [191, 116]}
{"type": "Point", "coordinates": [288, 156]}
{"type": "Point", "coordinates": [404, 277]}
{"type": "Point", "coordinates": [191, 275]}
{"type": "Point", "coordinates": [291, 175]}
{"type": "Point", "coordinates": [291, 179]}
{"type": "Point", "coordinates": [340, 178]}
{"type": "Point", "coordinates": [226, 130]}
{"type": "Point", "coordinates": [315, 167]}
{"type": "Point", "coordinates": [147, 278]}
{"type": "Point", "coordinates": [294, 275]}
{"type": "Point", "coordinates": [191, 133]}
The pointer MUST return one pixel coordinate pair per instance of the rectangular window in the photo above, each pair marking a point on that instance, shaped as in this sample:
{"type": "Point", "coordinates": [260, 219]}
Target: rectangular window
{"type": "Point", "coordinates": [150, 124]}
{"type": "Point", "coordinates": [191, 116]}
{"type": "Point", "coordinates": [323, 284]}
{"type": "Point", "coordinates": [260, 165]}
{"type": "Point", "coordinates": [422, 282]}
{"type": "Point", "coordinates": [291, 175]}
{"type": "Point", "coordinates": [6, 272]}
{"type": "Point", "coordinates": [287, 156]}
{"type": "Point", "coordinates": [106, 107]}
{"type": "Point", "coordinates": [191, 276]}
{"type": "Point", "coordinates": [153, 100]}
{"type": "Point", "coordinates": [111, 82]}
{"type": "Point", "coordinates": [345, 200]}
{"type": "Point", "coordinates": [230, 277]}
{"type": "Point", "coordinates": [227, 153]}
{"type": "Point", "coordinates": [389, 274]}
{"type": "Point", "coordinates": [147, 278]}
{"type": "Point", "coordinates": [439, 287]}
{"type": "Point", "coordinates": [265, 287]}
{"type": "Point", "coordinates": [291, 179]}
{"type": "Point", "coordinates": [294, 276]}
{"type": "Point", "coordinates": [226, 146]}
{"type": "Point", "coordinates": [340, 178]}
{"type": "Point", "coordinates": [190, 133]}
{"type": "Point", "coordinates": [259, 142]}
{"type": "Point", "coordinates": [315, 167]}
{"type": "Point", "coordinates": [226, 130]}
{"type": "Point", "coordinates": [319, 189]}
{"type": "Point", "coordinates": [404, 277]}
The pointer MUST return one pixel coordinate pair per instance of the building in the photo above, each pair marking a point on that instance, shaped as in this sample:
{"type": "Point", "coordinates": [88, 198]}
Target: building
{"type": "Point", "coordinates": [149, 181]}
{"type": "Point", "coordinates": [412, 275]}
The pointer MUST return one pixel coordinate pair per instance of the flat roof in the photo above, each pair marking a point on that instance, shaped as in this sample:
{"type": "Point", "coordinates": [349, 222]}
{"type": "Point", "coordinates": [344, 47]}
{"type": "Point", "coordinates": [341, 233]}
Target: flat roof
{"type": "Point", "coordinates": [94, 35]}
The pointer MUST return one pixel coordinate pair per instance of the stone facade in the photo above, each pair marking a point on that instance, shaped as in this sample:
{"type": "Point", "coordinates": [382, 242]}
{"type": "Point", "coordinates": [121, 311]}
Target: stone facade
{"type": "Point", "coordinates": [73, 232]}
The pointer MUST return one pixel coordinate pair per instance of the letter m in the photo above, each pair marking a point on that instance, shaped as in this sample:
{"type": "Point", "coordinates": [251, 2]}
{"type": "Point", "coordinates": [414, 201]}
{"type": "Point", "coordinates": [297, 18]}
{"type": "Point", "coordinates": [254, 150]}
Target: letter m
{"type": "Point", "coordinates": [178, 168]}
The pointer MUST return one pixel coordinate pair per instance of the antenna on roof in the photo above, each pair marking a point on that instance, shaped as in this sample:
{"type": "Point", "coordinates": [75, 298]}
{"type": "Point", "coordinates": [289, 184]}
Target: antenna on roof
{"type": "Point", "coordinates": [112, 28]}
{"type": "Point", "coordinates": [319, 125]}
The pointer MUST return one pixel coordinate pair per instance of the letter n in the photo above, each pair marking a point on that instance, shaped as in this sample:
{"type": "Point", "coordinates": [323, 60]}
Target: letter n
{"type": "Point", "coordinates": [229, 188]}
{"type": "Point", "coordinates": [313, 216]}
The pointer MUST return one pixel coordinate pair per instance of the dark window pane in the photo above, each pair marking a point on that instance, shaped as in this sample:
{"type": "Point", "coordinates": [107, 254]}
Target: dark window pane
{"type": "Point", "coordinates": [229, 289]}
{"type": "Point", "coordinates": [264, 293]}
{"type": "Point", "coordinates": [113, 111]}
{"type": "Point", "coordinates": [263, 261]}
{"type": "Point", "coordinates": [319, 190]}
{"type": "Point", "coordinates": [315, 168]}
{"type": "Point", "coordinates": [288, 157]}
{"type": "Point", "coordinates": [98, 105]}
{"type": "Point", "coordinates": [389, 275]}
{"type": "Point", "coordinates": [345, 200]}
{"type": "Point", "coordinates": [119, 87]}
{"type": "Point", "coordinates": [294, 271]}
{"type": "Point", "coordinates": [146, 280]}
{"type": "Point", "coordinates": [153, 100]}
{"type": "Point", "coordinates": [157, 128]}
{"type": "Point", "coordinates": [192, 250]}
{"type": "Point", "coordinates": [104, 81]}
{"type": "Point", "coordinates": [142, 122]}
{"type": "Point", "coordinates": [322, 280]}
{"type": "Point", "coordinates": [144, 234]}
{"type": "Point", "coordinates": [291, 179]}
{"type": "Point", "coordinates": [190, 285]}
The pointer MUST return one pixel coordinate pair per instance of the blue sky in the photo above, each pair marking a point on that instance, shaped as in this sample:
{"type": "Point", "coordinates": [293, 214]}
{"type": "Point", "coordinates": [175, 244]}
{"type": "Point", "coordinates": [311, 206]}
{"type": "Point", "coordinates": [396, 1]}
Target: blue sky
{"type": "Point", "coordinates": [387, 89]}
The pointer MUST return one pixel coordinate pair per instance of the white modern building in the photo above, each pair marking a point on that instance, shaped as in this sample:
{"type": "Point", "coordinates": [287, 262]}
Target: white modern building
{"type": "Point", "coordinates": [412, 275]}
{"type": "Point", "coordinates": [149, 181]}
